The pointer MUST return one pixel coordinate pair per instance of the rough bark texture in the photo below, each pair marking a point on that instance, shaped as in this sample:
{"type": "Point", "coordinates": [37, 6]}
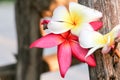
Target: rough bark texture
{"type": "Point", "coordinates": [108, 65]}
{"type": "Point", "coordinates": [30, 64]}
{"type": "Point", "coordinates": [88, 3]}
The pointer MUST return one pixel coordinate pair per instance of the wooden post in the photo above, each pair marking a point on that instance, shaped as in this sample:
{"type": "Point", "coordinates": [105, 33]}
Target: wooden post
{"type": "Point", "coordinates": [30, 64]}
{"type": "Point", "coordinates": [108, 65]}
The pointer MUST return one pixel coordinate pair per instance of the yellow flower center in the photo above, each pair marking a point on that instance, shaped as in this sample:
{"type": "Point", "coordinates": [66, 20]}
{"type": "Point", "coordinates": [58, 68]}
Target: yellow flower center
{"type": "Point", "coordinates": [77, 19]}
{"type": "Point", "coordinates": [111, 36]}
{"type": "Point", "coordinates": [74, 23]}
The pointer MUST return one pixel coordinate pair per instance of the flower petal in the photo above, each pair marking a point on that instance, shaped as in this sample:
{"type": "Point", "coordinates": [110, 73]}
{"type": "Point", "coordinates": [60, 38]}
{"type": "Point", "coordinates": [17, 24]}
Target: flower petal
{"type": "Point", "coordinates": [86, 13]}
{"type": "Point", "coordinates": [92, 50]}
{"type": "Point", "coordinates": [116, 31]}
{"type": "Point", "coordinates": [78, 51]}
{"type": "Point", "coordinates": [45, 20]}
{"type": "Point", "coordinates": [118, 34]}
{"type": "Point", "coordinates": [59, 27]}
{"type": "Point", "coordinates": [106, 49]}
{"type": "Point", "coordinates": [107, 46]}
{"type": "Point", "coordinates": [96, 25]}
{"type": "Point", "coordinates": [64, 57]}
{"type": "Point", "coordinates": [90, 39]}
{"type": "Point", "coordinates": [47, 41]}
{"type": "Point", "coordinates": [77, 29]}
{"type": "Point", "coordinates": [61, 14]}
{"type": "Point", "coordinates": [90, 60]}
{"type": "Point", "coordinates": [65, 34]}
{"type": "Point", "coordinates": [73, 37]}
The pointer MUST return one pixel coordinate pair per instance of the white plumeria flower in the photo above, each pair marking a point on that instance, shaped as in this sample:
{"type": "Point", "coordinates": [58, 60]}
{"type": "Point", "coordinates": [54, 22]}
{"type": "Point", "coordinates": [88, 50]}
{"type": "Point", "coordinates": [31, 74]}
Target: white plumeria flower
{"type": "Point", "coordinates": [95, 40]}
{"type": "Point", "coordinates": [73, 18]}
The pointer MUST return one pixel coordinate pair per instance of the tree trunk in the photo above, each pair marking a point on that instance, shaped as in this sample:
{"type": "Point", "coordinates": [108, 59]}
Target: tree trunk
{"type": "Point", "coordinates": [108, 65]}
{"type": "Point", "coordinates": [30, 64]}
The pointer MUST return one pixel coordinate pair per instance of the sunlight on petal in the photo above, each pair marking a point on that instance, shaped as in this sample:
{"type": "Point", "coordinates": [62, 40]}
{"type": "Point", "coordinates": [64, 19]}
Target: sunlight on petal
{"type": "Point", "coordinates": [88, 13]}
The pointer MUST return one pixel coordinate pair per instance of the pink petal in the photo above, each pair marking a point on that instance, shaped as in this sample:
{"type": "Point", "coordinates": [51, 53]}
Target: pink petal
{"type": "Point", "coordinates": [90, 60]}
{"type": "Point", "coordinates": [45, 22]}
{"type": "Point", "coordinates": [64, 57]}
{"type": "Point", "coordinates": [73, 37]}
{"type": "Point", "coordinates": [106, 49]}
{"type": "Point", "coordinates": [80, 53]}
{"type": "Point", "coordinates": [96, 25]}
{"type": "Point", "coordinates": [118, 34]}
{"type": "Point", "coordinates": [47, 41]}
{"type": "Point", "coordinates": [70, 36]}
{"type": "Point", "coordinates": [65, 34]}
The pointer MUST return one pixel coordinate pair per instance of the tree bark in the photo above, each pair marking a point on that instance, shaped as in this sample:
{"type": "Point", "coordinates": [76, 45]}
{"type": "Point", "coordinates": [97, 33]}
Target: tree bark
{"type": "Point", "coordinates": [108, 65]}
{"type": "Point", "coordinates": [30, 64]}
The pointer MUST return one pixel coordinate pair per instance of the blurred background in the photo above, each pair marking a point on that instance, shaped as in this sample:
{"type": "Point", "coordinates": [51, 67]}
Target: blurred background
{"type": "Point", "coordinates": [9, 48]}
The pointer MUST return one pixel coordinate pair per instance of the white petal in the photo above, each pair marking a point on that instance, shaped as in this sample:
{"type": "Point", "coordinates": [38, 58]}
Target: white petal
{"type": "Point", "coordinates": [108, 40]}
{"type": "Point", "coordinates": [88, 13]}
{"type": "Point", "coordinates": [61, 14]}
{"type": "Point", "coordinates": [59, 27]}
{"type": "Point", "coordinates": [92, 50]}
{"type": "Point", "coordinates": [85, 26]}
{"type": "Point", "coordinates": [90, 39]}
{"type": "Point", "coordinates": [116, 31]}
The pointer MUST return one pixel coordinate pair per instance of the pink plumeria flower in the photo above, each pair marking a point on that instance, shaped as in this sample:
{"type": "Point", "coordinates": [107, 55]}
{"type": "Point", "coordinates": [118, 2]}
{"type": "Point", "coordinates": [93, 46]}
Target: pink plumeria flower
{"type": "Point", "coordinates": [74, 18]}
{"type": "Point", "coordinates": [95, 40]}
{"type": "Point", "coordinates": [68, 45]}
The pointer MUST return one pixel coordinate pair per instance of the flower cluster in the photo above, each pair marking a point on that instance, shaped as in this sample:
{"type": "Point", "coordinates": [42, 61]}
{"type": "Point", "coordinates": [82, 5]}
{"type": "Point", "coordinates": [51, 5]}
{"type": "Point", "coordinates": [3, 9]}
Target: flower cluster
{"type": "Point", "coordinates": [73, 31]}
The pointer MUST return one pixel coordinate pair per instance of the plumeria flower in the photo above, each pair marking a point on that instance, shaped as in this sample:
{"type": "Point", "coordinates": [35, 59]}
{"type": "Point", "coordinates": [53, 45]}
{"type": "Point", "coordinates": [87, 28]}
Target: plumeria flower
{"type": "Point", "coordinates": [96, 25]}
{"type": "Point", "coordinates": [74, 18]}
{"type": "Point", "coordinates": [68, 45]}
{"type": "Point", "coordinates": [95, 40]}
{"type": "Point", "coordinates": [61, 26]}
